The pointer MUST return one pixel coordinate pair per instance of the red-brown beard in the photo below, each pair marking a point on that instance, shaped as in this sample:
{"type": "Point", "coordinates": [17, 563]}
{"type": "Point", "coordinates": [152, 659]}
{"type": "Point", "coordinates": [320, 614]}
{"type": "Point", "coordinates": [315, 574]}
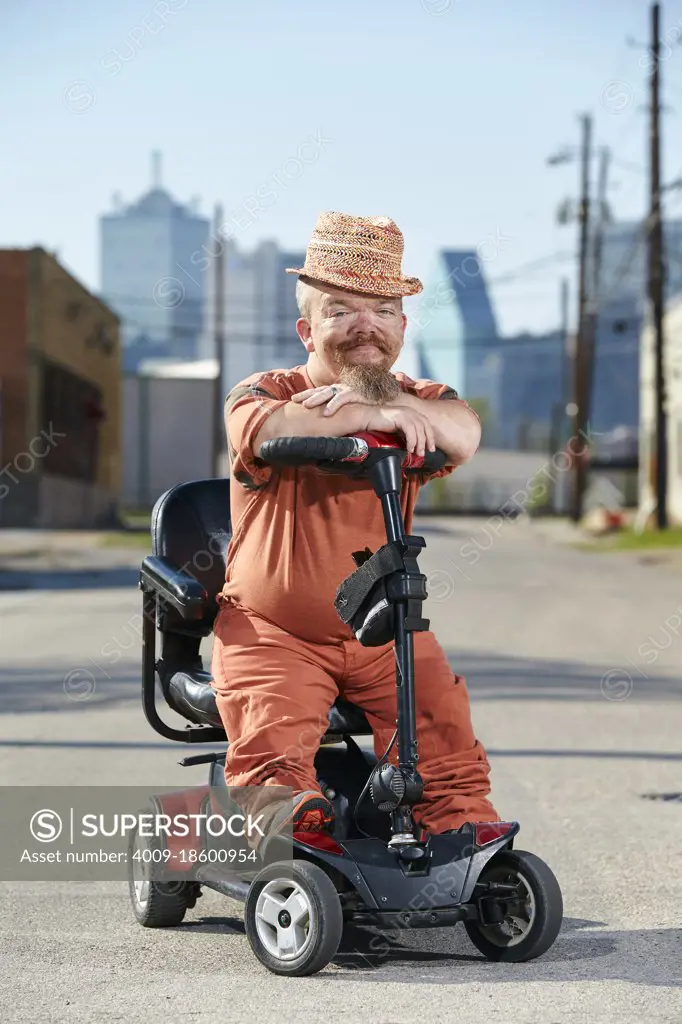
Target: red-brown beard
{"type": "Point", "coordinates": [375, 383]}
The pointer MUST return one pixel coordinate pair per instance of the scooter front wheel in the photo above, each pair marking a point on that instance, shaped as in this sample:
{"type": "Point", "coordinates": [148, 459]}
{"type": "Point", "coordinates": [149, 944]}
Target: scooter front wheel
{"type": "Point", "coordinates": [293, 918]}
{"type": "Point", "coordinates": [520, 908]}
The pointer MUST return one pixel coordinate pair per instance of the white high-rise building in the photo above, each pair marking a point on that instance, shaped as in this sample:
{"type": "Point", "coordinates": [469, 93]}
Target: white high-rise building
{"type": "Point", "coordinates": [260, 310]}
{"type": "Point", "coordinates": [151, 255]}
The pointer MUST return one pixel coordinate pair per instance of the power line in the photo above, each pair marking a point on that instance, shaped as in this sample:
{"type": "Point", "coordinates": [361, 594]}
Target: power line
{"type": "Point", "coordinates": [625, 265]}
{"type": "Point", "coordinates": [247, 307]}
{"type": "Point", "coordinates": [495, 343]}
{"type": "Point", "coordinates": [508, 278]}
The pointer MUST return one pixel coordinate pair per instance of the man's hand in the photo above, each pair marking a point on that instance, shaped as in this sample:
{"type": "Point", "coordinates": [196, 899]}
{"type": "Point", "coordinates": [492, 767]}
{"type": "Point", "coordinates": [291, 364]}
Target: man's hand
{"type": "Point", "coordinates": [392, 417]}
{"type": "Point", "coordinates": [426, 425]}
{"type": "Point", "coordinates": [334, 399]}
{"type": "Point", "coordinates": [414, 425]}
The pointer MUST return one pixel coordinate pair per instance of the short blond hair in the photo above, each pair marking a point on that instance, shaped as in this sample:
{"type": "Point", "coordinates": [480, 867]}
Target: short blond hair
{"type": "Point", "coordinates": [305, 289]}
{"type": "Point", "coordinates": [304, 297]}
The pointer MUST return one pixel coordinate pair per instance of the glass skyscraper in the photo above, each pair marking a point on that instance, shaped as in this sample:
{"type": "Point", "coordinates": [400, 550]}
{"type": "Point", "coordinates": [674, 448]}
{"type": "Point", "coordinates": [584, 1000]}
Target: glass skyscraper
{"type": "Point", "coordinates": [260, 311]}
{"type": "Point", "coordinates": [153, 276]}
{"type": "Point", "coordinates": [457, 339]}
{"type": "Point", "coordinates": [622, 311]}
{"type": "Point", "coordinates": [455, 319]}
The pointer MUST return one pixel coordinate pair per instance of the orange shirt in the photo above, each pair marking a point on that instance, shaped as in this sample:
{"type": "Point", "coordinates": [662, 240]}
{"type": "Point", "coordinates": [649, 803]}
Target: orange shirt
{"type": "Point", "coordinates": [294, 529]}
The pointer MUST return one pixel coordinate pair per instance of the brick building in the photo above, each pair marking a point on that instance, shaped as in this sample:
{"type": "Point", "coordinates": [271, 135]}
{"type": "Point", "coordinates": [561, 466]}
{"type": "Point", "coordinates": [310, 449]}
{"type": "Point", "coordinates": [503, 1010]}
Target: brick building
{"type": "Point", "coordinates": [60, 395]}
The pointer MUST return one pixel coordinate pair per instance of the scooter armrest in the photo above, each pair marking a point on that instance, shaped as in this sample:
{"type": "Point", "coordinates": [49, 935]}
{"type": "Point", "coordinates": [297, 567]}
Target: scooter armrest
{"type": "Point", "coordinates": [173, 585]}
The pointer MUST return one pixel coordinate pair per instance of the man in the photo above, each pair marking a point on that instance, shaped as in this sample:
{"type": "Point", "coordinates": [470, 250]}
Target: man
{"type": "Point", "coordinates": [281, 653]}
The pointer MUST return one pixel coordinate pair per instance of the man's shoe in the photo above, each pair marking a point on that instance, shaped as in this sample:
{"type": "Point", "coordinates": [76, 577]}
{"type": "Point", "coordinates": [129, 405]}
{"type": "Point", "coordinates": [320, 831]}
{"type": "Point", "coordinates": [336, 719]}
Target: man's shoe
{"type": "Point", "coordinates": [309, 811]}
{"type": "Point", "coordinates": [468, 828]}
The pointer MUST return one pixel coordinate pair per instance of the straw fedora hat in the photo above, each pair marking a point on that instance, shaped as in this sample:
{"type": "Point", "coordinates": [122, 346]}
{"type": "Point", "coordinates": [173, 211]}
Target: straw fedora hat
{"type": "Point", "coordinates": [360, 254]}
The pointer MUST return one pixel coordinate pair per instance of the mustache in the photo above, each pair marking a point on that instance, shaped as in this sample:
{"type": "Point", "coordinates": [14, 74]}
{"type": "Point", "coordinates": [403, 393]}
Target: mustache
{"type": "Point", "coordinates": [368, 340]}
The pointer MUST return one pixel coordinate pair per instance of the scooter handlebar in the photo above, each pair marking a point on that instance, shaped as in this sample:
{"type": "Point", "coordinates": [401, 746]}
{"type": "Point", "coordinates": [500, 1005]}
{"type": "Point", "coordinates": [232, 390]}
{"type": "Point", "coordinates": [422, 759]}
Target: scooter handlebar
{"type": "Point", "coordinates": [345, 452]}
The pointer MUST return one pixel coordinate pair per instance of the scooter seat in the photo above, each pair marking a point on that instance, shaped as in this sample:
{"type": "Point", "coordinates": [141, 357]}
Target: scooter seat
{"type": "Point", "coordinates": [190, 693]}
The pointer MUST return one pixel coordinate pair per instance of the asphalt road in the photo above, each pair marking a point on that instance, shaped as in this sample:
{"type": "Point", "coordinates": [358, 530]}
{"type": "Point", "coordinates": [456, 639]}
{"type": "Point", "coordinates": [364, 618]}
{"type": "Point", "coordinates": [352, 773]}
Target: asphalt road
{"type": "Point", "coordinates": [581, 713]}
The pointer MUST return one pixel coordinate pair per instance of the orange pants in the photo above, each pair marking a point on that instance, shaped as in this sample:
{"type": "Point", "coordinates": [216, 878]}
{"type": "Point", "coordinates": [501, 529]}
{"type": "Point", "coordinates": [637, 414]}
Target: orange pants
{"type": "Point", "coordinates": [274, 692]}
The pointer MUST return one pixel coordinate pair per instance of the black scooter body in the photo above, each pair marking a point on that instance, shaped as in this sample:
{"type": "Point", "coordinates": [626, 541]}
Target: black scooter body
{"type": "Point", "coordinates": [378, 867]}
{"type": "Point", "coordinates": [431, 891]}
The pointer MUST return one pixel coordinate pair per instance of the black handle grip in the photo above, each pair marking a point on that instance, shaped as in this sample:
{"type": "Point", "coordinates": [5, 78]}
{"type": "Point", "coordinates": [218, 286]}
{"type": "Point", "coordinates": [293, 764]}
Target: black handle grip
{"type": "Point", "coordinates": [349, 453]}
{"type": "Point", "coordinates": [431, 463]}
{"type": "Point", "coordinates": [304, 451]}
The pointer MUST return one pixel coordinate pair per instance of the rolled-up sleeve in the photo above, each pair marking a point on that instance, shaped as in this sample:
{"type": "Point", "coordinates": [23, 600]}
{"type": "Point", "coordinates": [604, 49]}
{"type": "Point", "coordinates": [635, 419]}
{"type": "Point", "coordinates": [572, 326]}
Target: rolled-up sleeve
{"type": "Point", "coordinates": [432, 391]}
{"type": "Point", "coordinates": [429, 389]}
{"type": "Point", "coordinates": [247, 407]}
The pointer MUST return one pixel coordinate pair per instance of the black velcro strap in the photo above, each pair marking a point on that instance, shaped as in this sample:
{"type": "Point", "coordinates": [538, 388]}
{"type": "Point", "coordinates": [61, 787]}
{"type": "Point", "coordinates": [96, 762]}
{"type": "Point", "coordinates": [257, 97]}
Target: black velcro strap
{"type": "Point", "coordinates": [360, 557]}
{"type": "Point", "coordinates": [355, 588]}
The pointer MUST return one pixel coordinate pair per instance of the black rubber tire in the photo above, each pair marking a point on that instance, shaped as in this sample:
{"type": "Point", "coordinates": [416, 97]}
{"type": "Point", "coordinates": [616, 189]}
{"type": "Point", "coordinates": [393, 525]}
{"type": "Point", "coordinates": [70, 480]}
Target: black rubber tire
{"type": "Point", "coordinates": [325, 923]}
{"type": "Point", "coordinates": [166, 903]}
{"type": "Point", "coordinates": [165, 907]}
{"type": "Point", "coordinates": [549, 909]}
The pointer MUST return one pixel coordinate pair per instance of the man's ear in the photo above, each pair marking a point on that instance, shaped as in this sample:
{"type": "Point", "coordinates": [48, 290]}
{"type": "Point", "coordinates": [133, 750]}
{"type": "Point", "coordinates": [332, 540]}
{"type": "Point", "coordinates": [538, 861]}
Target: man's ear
{"type": "Point", "coordinates": [304, 331]}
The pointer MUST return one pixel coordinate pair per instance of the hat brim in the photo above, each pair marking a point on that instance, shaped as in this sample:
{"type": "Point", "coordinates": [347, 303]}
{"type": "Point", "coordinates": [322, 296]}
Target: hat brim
{"type": "Point", "coordinates": [350, 281]}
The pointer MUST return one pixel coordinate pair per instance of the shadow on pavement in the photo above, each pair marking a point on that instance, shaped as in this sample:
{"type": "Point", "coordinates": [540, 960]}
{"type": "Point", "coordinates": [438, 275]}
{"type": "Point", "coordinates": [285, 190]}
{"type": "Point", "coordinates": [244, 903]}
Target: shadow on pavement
{"type": "Point", "coordinates": [217, 925]}
{"type": "Point", "coordinates": [579, 954]}
{"type": "Point", "coordinates": [69, 579]}
{"type": "Point", "coordinates": [176, 748]}
{"type": "Point", "coordinates": [496, 677]}
{"type": "Point", "coordinates": [69, 687]}
{"type": "Point", "coordinates": [614, 755]}
{"type": "Point", "coordinates": [585, 951]}
{"type": "Point", "coordinates": [115, 681]}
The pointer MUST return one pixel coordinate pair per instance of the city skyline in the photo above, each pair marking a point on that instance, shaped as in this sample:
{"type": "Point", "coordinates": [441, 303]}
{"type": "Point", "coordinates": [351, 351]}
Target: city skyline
{"type": "Point", "coordinates": [151, 245]}
{"type": "Point", "coordinates": [457, 156]}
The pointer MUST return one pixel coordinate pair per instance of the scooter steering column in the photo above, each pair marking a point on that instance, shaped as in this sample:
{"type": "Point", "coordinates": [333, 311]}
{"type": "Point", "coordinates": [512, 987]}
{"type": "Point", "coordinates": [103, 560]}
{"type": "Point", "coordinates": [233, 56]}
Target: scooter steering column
{"type": "Point", "coordinates": [406, 590]}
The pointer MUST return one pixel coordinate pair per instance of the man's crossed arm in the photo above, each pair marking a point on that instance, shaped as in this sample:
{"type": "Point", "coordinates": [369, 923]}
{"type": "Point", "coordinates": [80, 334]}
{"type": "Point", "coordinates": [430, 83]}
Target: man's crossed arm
{"type": "Point", "coordinates": [450, 425]}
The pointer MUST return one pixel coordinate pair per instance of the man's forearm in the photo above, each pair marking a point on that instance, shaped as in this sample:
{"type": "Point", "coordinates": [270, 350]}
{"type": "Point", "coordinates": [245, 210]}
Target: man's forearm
{"type": "Point", "coordinates": [293, 420]}
{"type": "Point", "coordinates": [456, 426]}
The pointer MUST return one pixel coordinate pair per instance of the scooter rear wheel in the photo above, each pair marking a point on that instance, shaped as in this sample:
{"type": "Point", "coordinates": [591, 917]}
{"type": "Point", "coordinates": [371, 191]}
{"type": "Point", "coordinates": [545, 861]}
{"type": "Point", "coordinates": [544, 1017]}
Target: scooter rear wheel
{"type": "Point", "coordinates": [293, 918]}
{"type": "Point", "coordinates": [156, 904]}
{"type": "Point", "coordinates": [524, 926]}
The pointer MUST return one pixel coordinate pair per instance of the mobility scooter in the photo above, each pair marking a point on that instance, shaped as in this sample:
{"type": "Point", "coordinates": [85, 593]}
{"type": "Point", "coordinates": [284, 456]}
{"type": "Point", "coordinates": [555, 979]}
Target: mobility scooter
{"type": "Point", "coordinates": [376, 867]}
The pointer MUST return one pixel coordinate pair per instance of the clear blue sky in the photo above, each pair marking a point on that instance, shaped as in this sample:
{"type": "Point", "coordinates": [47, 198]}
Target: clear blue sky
{"type": "Point", "coordinates": [440, 113]}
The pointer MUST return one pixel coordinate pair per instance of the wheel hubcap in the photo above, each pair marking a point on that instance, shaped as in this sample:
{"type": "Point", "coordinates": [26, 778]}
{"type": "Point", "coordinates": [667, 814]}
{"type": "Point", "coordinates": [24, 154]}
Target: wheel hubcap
{"type": "Point", "coordinates": [141, 891]}
{"type": "Point", "coordinates": [141, 883]}
{"type": "Point", "coordinates": [519, 911]}
{"type": "Point", "coordinates": [284, 915]}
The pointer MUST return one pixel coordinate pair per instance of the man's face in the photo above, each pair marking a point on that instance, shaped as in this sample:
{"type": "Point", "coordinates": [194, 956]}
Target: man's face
{"type": "Point", "coordinates": [347, 329]}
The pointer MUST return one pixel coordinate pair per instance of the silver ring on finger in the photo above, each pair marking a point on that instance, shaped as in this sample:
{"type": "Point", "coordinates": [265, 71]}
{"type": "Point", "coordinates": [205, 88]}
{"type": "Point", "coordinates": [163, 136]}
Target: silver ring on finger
{"type": "Point", "coordinates": [334, 390]}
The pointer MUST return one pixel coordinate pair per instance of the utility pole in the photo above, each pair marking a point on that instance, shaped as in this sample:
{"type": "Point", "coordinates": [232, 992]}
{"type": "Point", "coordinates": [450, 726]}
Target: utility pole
{"type": "Point", "coordinates": [566, 351]}
{"type": "Point", "coordinates": [598, 246]}
{"type": "Point", "coordinates": [656, 276]}
{"type": "Point", "coordinates": [579, 361]}
{"type": "Point", "coordinates": [219, 342]}
{"type": "Point", "coordinates": [558, 425]}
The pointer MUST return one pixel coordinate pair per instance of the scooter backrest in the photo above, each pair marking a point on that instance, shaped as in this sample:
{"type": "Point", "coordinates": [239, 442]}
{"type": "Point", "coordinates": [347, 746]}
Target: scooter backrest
{"type": "Point", "coordinates": [191, 528]}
